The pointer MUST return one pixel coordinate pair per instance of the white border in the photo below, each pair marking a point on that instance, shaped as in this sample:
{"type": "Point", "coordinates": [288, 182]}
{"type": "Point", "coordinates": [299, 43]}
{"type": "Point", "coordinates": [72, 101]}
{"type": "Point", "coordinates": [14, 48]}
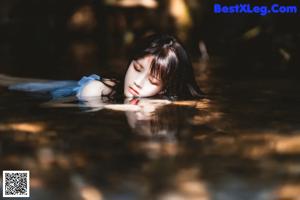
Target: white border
{"type": "Point", "coordinates": [16, 171]}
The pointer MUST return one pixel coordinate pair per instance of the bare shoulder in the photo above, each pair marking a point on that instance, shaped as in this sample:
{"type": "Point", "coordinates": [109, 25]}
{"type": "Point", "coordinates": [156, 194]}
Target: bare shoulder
{"type": "Point", "coordinates": [109, 82]}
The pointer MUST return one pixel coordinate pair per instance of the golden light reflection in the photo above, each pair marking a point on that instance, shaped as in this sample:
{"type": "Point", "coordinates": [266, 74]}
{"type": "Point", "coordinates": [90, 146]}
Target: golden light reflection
{"type": "Point", "coordinates": [256, 145]}
{"type": "Point", "coordinates": [123, 107]}
{"type": "Point", "coordinates": [275, 142]}
{"type": "Point", "coordinates": [285, 54]}
{"type": "Point", "coordinates": [180, 12]}
{"type": "Point", "coordinates": [200, 137]}
{"type": "Point", "coordinates": [252, 33]}
{"type": "Point", "coordinates": [90, 193]}
{"type": "Point", "coordinates": [150, 4]}
{"type": "Point", "coordinates": [289, 191]}
{"type": "Point", "coordinates": [257, 152]}
{"type": "Point", "coordinates": [203, 104]}
{"type": "Point", "coordinates": [208, 117]}
{"type": "Point", "coordinates": [145, 106]}
{"type": "Point", "coordinates": [46, 157]}
{"type": "Point", "coordinates": [83, 18]}
{"type": "Point", "coordinates": [156, 149]}
{"type": "Point", "coordinates": [188, 186]}
{"type": "Point", "coordinates": [63, 161]}
{"type": "Point", "coordinates": [34, 127]}
{"type": "Point", "coordinates": [288, 144]}
{"type": "Point", "coordinates": [36, 182]}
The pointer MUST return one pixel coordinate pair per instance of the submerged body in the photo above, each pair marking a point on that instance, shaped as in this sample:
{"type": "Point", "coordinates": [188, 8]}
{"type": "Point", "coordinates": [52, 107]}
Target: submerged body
{"type": "Point", "coordinates": [90, 86]}
{"type": "Point", "coordinates": [159, 67]}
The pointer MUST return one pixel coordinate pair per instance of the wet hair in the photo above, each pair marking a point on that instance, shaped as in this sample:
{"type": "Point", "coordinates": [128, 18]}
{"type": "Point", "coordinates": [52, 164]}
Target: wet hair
{"type": "Point", "coordinates": [171, 64]}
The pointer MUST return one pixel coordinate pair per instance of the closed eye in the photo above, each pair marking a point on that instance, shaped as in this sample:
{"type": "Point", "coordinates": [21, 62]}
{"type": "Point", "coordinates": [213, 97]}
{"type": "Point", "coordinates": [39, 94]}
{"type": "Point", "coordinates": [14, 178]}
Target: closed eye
{"type": "Point", "coordinates": [154, 81]}
{"type": "Point", "coordinates": [137, 66]}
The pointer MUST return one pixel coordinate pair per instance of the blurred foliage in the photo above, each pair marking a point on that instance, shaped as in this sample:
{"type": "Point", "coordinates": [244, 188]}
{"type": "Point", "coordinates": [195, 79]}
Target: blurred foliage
{"type": "Point", "coordinates": [78, 37]}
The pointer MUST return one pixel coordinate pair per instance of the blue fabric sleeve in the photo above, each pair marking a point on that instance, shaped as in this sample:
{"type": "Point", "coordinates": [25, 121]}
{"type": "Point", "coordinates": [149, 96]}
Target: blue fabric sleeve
{"type": "Point", "coordinates": [57, 89]}
{"type": "Point", "coordinates": [74, 90]}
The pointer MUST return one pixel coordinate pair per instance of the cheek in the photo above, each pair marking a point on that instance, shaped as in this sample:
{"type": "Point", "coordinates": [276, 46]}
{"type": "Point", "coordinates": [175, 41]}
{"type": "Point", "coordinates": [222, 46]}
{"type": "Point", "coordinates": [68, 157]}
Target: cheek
{"type": "Point", "coordinates": [129, 76]}
{"type": "Point", "coordinates": [150, 90]}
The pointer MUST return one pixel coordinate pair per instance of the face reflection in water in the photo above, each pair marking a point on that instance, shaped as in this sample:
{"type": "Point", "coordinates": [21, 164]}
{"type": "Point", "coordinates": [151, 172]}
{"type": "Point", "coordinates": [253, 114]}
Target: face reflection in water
{"type": "Point", "coordinates": [138, 80]}
{"type": "Point", "coordinates": [147, 121]}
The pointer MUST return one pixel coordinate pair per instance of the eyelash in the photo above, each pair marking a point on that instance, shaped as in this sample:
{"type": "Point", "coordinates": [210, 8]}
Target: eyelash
{"type": "Point", "coordinates": [138, 69]}
{"type": "Point", "coordinates": [153, 83]}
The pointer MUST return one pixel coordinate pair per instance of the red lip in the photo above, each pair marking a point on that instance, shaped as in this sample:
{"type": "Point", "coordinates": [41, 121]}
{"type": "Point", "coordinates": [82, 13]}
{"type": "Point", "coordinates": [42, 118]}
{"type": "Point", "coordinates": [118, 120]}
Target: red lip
{"type": "Point", "coordinates": [134, 101]}
{"type": "Point", "coordinates": [133, 91]}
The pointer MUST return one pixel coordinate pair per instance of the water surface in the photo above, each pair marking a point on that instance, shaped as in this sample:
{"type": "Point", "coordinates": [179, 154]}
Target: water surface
{"type": "Point", "coordinates": [241, 142]}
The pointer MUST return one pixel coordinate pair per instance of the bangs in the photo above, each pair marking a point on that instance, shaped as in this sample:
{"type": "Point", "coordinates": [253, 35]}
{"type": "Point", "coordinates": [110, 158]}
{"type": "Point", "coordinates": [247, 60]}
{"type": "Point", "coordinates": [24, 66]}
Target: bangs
{"type": "Point", "coordinates": [163, 65]}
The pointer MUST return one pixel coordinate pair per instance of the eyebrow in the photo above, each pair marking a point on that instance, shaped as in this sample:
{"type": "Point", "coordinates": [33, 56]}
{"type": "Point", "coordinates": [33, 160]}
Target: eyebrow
{"type": "Point", "coordinates": [141, 66]}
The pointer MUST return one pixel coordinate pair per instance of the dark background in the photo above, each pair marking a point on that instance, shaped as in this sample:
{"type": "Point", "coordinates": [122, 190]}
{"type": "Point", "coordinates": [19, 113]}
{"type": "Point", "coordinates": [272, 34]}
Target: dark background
{"type": "Point", "coordinates": [241, 142]}
{"type": "Point", "coordinates": [66, 39]}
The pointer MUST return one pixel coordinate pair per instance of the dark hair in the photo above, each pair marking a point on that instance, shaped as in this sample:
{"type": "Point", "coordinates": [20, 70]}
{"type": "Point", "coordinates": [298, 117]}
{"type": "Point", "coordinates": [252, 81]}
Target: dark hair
{"type": "Point", "coordinates": [171, 64]}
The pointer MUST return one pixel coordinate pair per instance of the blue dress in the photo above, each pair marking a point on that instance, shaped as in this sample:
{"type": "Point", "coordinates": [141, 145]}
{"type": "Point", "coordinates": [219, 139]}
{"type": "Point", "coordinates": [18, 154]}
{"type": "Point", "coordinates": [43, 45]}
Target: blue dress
{"type": "Point", "coordinates": [56, 89]}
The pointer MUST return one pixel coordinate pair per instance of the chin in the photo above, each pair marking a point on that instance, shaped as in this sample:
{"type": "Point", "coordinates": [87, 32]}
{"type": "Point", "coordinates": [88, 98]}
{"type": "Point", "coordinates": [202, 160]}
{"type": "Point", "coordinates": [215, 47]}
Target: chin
{"type": "Point", "coordinates": [128, 94]}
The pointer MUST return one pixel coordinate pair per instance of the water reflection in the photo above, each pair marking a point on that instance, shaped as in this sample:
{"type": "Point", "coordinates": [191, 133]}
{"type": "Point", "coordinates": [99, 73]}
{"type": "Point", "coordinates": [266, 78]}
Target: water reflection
{"type": "Point", "coordinates": [149, 120]}
{"type": "Point", "coordinates": [86, 191]}
{"type": "Point", "coordinates": [151, 148]}
{"type": "Point", "coordinates": [188, 185]}
{"type": "Point", "coordinates": [83, 19]}
{"type": "Point", "coordinates": [23, 127]}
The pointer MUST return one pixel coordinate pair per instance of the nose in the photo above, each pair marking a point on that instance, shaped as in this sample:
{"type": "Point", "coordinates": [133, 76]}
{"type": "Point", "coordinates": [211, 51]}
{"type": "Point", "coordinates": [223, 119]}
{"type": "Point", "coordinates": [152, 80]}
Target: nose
{"type": "Point", "coordinates": [139, 82]}
{"type": "Point", "coordinates": [137, 85]}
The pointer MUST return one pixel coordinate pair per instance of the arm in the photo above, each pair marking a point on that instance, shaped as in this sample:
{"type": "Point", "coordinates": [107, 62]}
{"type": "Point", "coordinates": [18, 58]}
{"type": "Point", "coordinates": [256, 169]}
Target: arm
{"type": "Point", "coordinates": [95, 88]}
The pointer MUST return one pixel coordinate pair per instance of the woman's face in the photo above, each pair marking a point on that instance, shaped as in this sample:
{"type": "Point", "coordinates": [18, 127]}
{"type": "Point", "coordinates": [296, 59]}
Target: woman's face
{"type": "Point", "coordinates": [138, 80]}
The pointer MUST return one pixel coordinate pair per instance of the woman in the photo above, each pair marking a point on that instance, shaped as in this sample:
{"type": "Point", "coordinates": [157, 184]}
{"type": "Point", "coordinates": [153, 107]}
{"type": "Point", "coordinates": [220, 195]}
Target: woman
{"type": "Point", "coordinates": [159, 67]}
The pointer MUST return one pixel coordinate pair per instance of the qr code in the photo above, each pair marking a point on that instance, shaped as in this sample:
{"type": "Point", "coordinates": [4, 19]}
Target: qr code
{"type": "Point", "coordinates": [15, 183]}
